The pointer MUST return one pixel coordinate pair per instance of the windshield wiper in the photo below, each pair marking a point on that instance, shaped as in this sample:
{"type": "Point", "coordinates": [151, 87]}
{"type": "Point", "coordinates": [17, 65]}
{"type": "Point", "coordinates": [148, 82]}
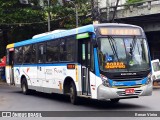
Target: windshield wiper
{"type": "Point", "coordinates": [111, 39]}
{"type": "Point", "coordinates": [134, 42]}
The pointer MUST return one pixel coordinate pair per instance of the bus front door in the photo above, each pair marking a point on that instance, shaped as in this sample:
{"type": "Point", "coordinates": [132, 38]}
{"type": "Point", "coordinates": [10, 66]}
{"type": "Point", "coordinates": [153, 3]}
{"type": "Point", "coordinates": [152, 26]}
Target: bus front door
{"type": "Point", "coordinates": [84, 59]}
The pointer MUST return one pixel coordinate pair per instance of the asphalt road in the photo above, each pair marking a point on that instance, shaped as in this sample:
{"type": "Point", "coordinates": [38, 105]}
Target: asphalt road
{"type": "Point", "coordinates": [11, 99]}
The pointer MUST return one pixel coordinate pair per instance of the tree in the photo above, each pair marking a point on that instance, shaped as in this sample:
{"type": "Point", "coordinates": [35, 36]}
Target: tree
{"type": "Point", "coordinates": [65, 14]}
{"type": "Point", "coordinates": [133, 1]}
{"type": "Point", "coordinates": [17, 22]}
{"type": "Point", "coordinates": [21, 21]}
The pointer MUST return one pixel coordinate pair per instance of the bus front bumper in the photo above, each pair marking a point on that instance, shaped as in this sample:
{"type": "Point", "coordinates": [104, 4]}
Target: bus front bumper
{"type": "Point", "coordinates": [156, 80]}
{"type": "Point", "coordinates": [105, 93]}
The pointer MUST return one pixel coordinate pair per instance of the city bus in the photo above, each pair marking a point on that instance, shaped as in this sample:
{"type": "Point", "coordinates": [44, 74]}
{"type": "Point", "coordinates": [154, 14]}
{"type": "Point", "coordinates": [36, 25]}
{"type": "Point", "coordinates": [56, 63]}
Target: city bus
{"type": "Point", "coordinates": [106, 61]}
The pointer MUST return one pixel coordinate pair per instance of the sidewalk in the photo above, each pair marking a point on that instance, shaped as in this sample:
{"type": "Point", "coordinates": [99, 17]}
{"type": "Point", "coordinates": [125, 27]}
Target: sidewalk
{"type": "Point", "coordinates": [2, 82]}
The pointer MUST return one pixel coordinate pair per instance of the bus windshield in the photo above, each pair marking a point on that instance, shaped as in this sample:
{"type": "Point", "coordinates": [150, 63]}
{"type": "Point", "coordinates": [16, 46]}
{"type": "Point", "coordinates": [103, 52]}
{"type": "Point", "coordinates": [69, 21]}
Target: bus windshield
{"type": "Point", "coordinates": [128, 54]}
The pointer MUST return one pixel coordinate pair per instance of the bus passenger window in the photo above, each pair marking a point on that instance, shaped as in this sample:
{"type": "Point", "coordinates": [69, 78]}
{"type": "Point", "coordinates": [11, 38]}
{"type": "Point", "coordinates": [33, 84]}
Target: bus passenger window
{"type": "Point", "coordinates": [40, 53]}
{"type": "Point", "coordinates": [18, 57]}
{"type": "Point", "coordinates": [52, 50]}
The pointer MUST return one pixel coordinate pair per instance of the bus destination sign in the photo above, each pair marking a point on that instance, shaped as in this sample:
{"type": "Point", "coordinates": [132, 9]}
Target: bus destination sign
{"type": "Point", "coordinates": [115, 65]}
{"type": "Point", "coordinates": [119, 31]}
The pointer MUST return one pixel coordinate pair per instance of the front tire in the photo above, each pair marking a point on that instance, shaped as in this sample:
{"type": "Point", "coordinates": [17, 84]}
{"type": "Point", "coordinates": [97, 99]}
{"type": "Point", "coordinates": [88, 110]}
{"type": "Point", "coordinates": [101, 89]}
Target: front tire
{"type": "Point", "coordinates": [24, 86]}
{"type": "Point", "coordinates": [116, 100]}
{"type": "Point", "coordinates": [73, 94]}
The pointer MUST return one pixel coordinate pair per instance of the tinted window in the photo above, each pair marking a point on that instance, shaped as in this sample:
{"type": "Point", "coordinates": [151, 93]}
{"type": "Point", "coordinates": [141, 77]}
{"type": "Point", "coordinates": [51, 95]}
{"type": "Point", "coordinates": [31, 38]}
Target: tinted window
{"type": "Point", "coordinates": [67, 49]}
{"type": "Point", "coordinates": [63, 50]}
{"type": "Point", "coordinates": [52, 50]}
{"type": "Point", "coordinates": [70, 46]}
{"type": "Point", "coordinates": [18, 53]}
{"type": "Point", "coordinates": [41, 54]}
{"type": "Point", "coordinates": [29, 53]}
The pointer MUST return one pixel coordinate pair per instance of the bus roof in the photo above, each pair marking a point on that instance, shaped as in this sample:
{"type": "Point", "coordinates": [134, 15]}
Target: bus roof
{"type": "Point", "coordinates": [47, 33]}
{"type": "Point", "coordinates": [61, 34]}
{"type": "Point", "coordinates": [84, 29]}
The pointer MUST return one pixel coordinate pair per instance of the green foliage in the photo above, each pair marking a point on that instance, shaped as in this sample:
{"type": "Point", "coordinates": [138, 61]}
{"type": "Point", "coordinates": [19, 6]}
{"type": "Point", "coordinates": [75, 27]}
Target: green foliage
{"type": "Point", "coordinates": [67, 16]}
{"type": "Point", "coordinates": [133, 1]}
{"type": "Point", "coordinates": [16, 22]}
{"type": "Point", "coordinates": [21, 22]}
{"type": "Point", "coordinates": [11, 11]}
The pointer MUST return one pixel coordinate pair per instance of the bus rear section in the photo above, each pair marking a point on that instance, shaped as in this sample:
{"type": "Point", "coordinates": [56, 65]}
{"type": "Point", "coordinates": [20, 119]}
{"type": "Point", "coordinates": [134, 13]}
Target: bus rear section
{"type": "Point", "coordinates": [9, 64]}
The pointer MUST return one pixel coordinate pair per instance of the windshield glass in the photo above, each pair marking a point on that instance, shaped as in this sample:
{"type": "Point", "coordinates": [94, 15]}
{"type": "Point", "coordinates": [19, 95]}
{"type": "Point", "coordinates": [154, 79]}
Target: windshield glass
{"type": "Point", "coordinates": [156, 66]}
{"type": "Point", "coordinates": [123, 54]}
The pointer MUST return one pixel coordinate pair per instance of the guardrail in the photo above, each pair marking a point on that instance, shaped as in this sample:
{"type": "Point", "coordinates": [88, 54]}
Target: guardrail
{"type": "Point", "coordinates": [146, 7]}
{"type": "Point", "coordinates": [145, 3]}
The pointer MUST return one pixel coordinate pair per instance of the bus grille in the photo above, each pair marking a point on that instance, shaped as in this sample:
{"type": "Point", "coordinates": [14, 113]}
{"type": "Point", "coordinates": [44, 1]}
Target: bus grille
{"type": "Point", "coordinates": [124, 87]}
{"type": "Point", "coordinates": [129, 79]}
{"type": "Point", "coordinates": [122, 93]}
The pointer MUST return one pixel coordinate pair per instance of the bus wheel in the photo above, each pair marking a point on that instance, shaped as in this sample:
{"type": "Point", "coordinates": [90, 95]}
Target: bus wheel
{"type": "Point", "coordinates": [116, 100]}
{"type": "Point", "coordinates": [73, 94]}
{"type": "Point", "coordinates": [24, 86]}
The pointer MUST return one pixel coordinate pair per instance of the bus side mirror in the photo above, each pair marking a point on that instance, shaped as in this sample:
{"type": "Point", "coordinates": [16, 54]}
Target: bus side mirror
{"type": "Point", "coordinates": [95, 44]}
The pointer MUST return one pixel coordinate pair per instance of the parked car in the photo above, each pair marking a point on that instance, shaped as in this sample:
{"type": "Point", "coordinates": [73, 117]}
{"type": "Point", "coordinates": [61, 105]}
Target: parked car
{"type": "Point", "coordinates": [155, 70]}
{"type": "Point", "coordinates": [2, 68]}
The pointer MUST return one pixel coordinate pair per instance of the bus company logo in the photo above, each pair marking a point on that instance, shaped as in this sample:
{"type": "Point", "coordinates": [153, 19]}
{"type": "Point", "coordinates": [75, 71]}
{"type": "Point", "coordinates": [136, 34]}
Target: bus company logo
{"type": "Point", "coordinates": [17, 73]}
{"type": "Point", "coordinates": [128, 73]}
{"type": "Point", "coordinates": [28, 69]}
{"type": "Point", "coordinates": [57, 71]}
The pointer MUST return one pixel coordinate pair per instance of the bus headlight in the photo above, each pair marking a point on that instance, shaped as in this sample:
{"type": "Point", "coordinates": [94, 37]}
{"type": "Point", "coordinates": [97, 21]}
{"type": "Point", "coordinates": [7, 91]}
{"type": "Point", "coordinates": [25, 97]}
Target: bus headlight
{"type": "Point", "coordinates": [105, 81]}
{"type": "Point", "coordinates": [153, 77]}
{"type": "Point", "coordinates": [149, 79]}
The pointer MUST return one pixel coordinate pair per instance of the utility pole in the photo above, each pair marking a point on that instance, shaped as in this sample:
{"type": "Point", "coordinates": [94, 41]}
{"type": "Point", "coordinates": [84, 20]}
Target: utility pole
{"type": "Point", "coordinates": [49, 16]}
{"type": "Point", "coordinates": [107, 10]}
{"type": "Point", "coordinates": [76, 10]}
{"type": "Point", "coordinates": [115, 11]}
{"type": "Point", "coordinates": [41, 2]}
{"type": "Point", "coordinates": [95, 11]}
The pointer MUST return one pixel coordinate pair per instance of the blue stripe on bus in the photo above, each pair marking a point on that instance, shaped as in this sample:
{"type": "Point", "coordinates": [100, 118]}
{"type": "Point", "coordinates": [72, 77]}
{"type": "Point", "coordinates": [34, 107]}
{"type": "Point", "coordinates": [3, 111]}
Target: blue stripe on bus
{"type": "Point", "coordinates": [84, 29]}
{"type": "Point", "coordinates": [128, 83]}
{"type": "Point", "coordinates": [33, 65]}
{"type": "Point", "coordinates": [96, 63]}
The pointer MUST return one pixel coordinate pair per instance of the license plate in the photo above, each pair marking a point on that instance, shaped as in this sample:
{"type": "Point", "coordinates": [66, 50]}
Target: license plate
{"type": "Point", "coordinates": [129, 91]}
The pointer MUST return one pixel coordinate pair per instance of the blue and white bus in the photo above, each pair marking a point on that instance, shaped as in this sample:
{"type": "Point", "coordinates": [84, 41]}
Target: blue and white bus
{"type": "Point", "coordinates": [103, 61]}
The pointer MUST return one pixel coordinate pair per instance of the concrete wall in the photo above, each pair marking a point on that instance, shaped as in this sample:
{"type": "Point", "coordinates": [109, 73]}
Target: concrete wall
{"type": "Point", "coordinates": [103, 3]}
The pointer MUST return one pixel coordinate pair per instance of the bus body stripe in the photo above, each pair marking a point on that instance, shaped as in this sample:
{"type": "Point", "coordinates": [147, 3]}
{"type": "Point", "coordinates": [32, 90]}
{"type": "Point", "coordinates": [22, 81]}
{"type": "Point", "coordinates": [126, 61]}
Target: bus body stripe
{"type": "Point", "coordinates": [10, 46]}
{"type": "Point", "coordinates": [96, 63]}
{"type": "Point", "coordinates": [76, 73]}
{"type": "Point", "coordinates": [32, 65]}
